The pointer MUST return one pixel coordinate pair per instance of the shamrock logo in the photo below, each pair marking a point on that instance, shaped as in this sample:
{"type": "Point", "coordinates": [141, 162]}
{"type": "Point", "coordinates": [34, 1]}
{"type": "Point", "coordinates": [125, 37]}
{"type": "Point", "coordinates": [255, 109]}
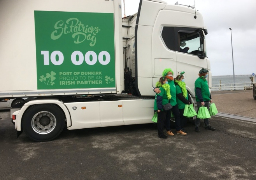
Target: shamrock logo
{"type": "Point", "coordinates": [108, 79]}
{"type": "Point", "coordinates": [48, 79]}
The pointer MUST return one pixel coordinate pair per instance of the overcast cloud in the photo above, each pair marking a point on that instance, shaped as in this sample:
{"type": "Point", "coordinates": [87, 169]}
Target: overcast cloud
{"type": "Point", "coordinates": [219, 15]}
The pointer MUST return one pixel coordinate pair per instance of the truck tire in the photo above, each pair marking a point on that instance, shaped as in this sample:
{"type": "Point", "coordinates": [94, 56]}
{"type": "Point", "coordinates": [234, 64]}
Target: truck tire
{"type": "Point", "coordinates": [43, 122]}
{"type": "Point", "coordinates": [254, 97]}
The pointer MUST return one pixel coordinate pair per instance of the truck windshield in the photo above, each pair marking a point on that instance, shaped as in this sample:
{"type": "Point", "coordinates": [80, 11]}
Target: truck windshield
{"type": "Point", "coordinates": [192, 42]}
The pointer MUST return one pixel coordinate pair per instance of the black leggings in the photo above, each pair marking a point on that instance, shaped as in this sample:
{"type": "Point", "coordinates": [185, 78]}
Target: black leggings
{"type": "Point", "coordinates": [183, 119]}
{"type": "Point", "coordinates": [162, 118]}
{"type": "Point", "coordinates": [176, 113]}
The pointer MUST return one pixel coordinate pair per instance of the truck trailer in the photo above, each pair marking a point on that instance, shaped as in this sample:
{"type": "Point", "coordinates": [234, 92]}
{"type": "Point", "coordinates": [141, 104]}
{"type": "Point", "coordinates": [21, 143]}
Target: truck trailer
{"type": "Point", "coordinates": [79, 64]}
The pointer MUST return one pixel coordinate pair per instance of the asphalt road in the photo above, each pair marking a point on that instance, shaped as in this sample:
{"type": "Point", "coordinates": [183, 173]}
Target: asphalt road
{"type": "Point", "coordinates": [235, 102]}
{"type": "Point", "coordinates": [131, 153]}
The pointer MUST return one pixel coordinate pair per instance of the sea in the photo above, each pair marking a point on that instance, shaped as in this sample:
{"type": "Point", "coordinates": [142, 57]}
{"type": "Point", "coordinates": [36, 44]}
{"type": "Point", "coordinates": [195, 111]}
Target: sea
{"type": "Point", "coordinates": [228, 79]}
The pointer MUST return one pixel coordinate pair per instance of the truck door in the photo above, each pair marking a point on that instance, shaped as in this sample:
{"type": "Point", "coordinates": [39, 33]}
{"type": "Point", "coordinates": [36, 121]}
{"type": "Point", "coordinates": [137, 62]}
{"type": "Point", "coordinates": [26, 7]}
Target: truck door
{"type": "Point", "coordinates": [163, 53]}
{"type": "Point", "coordinates": [144, 61]}
{"type": "Point", "coordinates": [191, 56]}
{"type": "Point", "coordinates": [176, 28]}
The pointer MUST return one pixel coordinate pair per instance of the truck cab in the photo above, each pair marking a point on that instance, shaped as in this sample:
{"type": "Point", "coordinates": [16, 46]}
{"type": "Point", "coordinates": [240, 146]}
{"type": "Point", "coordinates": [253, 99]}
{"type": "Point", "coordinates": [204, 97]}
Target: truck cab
{"type": "Point", "coordinates": [163, 36]}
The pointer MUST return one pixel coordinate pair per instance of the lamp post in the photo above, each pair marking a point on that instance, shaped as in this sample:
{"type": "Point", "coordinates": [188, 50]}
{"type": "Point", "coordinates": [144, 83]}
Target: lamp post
{"type": "Point", "coordinates": [233, 59]}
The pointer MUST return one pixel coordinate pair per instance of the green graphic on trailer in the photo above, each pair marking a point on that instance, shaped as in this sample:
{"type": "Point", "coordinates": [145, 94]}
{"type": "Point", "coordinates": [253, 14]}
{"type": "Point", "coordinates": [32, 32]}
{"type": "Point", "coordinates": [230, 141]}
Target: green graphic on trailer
{"type": "Point", "coordinates": [74, 50]}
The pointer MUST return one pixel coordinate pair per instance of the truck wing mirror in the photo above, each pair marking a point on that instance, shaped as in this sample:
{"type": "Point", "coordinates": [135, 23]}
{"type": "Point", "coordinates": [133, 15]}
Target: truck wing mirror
{"type": "Point", "coordinates": [201, 54]}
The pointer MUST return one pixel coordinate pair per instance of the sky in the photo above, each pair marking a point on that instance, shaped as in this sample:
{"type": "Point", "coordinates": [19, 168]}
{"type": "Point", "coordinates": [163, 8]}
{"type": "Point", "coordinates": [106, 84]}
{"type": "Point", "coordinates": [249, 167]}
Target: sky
{"type": "Point", "coordinates": [219, 16]}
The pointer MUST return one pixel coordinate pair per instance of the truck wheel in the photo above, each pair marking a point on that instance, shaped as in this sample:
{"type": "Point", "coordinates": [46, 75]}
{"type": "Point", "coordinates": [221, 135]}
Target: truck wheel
{"type": "Point", "coordinates": [43, 122]}
{"type": "Point", "coordinates": [254, 97]}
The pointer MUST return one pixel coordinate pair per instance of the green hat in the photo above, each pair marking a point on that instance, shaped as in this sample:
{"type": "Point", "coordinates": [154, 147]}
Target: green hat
{"type": "Point", "coordinates": [181, 74]}
{"type": "Point", "coordinates": [165, 72]}
{"type": "Point", "coordinates": [203, 71]}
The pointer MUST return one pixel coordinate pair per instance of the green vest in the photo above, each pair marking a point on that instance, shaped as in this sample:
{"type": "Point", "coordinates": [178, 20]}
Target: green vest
{"type": "Point", "coordinates": [164, 96]}
{"type": "Point", "coordinates": [181, 105]}
{"type": "Point", "coordinates": [173, 101]}
{"type": "Point", "coordinates": [203, 85]}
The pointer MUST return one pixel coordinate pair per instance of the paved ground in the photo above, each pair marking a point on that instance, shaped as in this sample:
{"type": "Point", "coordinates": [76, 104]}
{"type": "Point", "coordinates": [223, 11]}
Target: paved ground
{"type": "Point", "coordinates": [131, 152]}
{"type": "Point", "coordinates": [235, 102]}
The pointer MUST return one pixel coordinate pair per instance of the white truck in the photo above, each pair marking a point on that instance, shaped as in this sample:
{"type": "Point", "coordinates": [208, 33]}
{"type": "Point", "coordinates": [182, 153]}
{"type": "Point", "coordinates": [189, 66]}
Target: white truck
{"type": "Point", "coordinates": [74, 59]}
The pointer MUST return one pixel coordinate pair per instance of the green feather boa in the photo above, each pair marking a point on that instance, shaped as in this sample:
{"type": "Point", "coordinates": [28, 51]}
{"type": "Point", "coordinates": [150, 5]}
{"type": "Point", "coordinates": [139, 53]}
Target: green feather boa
{"type": "Point", "coordinates": [183, 88]}
{"type": "Point", "coordinates": [203, 78]}
{"type": "Point", "coordinates": [166, 88]}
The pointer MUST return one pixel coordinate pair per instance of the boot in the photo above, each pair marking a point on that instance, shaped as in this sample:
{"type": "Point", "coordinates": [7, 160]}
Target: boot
{"type": "Point", "coordinates": [170, 133]}
{"type": "Point", "coordinates": [184, 130]}
{"type": "Point", "coordinates": [210, 128]}
{"type": "Point", "coordinates": [197, 129]}
{"type": "Point", "coordinates": [181, 133]}
{"type": "Point", "coordinates": [162, 136]}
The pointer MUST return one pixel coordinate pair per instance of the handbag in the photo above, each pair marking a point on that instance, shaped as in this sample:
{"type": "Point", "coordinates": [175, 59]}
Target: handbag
{"type": "Point", "coordinates": [189, 111]}
{"type": "Point", "coordinates": [167, 107]}
{"type": "Point", "coordinates": [192, 111]}
{"type": "Point", "coordinates": [203, 113]}
{"type": "Point", "coordinates": [186, 110]}
{"type": "Point", "coordinates": [213, 109]}
{"type": "Point", "coordinates": [154, 118]}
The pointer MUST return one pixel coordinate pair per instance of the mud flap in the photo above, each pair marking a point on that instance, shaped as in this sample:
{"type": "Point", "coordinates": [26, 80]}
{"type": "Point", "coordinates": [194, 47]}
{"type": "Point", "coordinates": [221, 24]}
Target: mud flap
{"type": "Point", "coordinates": [19, 133]}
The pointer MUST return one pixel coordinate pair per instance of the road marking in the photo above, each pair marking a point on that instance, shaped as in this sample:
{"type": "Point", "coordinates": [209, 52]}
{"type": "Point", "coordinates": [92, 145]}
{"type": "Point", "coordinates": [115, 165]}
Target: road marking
{"type": "Point", "coordinates": [233, 116]}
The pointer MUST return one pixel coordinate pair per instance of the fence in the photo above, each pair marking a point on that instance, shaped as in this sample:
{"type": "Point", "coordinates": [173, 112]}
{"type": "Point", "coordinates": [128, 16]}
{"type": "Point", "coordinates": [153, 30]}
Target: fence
{"type": "Point", "coordinates": [232, 86]}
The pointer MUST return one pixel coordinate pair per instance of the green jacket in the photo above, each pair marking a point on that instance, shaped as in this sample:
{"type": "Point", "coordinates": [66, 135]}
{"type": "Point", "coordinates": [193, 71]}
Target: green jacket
{"type": "Point", "coordinates": [203, 85]}
{"type": "Point", "coordinates": [173, 100]}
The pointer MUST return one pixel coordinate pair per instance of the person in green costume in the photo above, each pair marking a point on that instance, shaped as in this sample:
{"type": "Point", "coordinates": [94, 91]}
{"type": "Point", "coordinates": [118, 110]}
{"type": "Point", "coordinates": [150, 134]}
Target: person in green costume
{"type": "Point", "coordinates": [168, 73]}
{"type": "Point", "coordinates": [203, 97]}
{"type": "Point", "coordinates": [162, 99]}
{"type": "Point", "coordinates": [182, 97]}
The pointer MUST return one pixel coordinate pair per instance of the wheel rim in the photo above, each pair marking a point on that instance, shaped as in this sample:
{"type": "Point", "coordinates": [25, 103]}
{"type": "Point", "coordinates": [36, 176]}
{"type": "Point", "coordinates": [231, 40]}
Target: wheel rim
{"type": "Point", "coordinates": [43, 122]}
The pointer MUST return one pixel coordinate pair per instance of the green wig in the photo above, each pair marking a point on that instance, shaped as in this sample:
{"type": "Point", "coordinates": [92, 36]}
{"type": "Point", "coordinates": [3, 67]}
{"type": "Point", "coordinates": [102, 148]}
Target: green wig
{"type": "Point", "coordinates": [165, 72]}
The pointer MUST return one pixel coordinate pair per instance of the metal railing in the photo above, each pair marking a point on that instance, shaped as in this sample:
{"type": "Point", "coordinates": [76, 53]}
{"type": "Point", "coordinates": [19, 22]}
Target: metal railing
{"type": "Point", "coordinates": [232, 86]}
